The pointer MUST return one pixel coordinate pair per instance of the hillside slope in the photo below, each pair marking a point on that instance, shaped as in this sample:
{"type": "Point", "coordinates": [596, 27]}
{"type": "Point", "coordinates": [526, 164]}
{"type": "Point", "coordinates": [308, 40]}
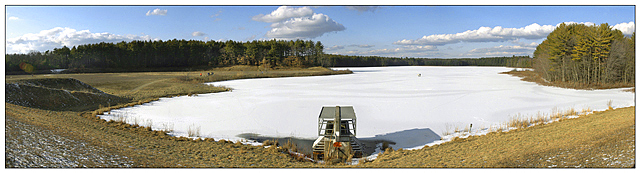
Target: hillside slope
{"type": "Point", "coordinates": [58, 94]}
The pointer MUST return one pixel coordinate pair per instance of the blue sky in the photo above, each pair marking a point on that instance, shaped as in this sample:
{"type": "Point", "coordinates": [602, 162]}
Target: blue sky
{"type": "Point", "coordinates": [394, 31]}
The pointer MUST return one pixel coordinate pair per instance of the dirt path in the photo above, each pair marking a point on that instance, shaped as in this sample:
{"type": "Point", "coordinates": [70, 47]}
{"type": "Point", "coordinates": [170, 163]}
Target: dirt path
{"type": "Point", "coordinates": [145, 85]}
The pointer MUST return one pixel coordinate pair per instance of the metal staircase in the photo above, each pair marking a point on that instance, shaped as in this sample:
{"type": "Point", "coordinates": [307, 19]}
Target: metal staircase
{"type": "Point", "coordinates": [318, 146]}
{"type": "Point", "coordinates": [342, 144]}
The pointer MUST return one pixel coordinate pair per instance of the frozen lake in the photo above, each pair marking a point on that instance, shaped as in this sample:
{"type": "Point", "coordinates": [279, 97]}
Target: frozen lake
{"type": "Point", "coordinates": [385, 99]}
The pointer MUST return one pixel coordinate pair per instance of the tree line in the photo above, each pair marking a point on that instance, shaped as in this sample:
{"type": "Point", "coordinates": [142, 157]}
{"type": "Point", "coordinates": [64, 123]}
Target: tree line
{"type": "Point", "coordinates": [371, 61]}
{"type": "Point", "coordinates": [173, 53]}
{"type": "Point", "coordinates": [590, 55]}
{"type": "Point", "coordinates": [137, 55]}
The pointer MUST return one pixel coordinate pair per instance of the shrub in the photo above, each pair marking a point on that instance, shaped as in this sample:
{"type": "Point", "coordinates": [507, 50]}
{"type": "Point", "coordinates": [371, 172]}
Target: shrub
{"type": "Point", "coordinates": [149, 123]}
{"type": "Point", "coordinates": [193, 131]}
{"type": "Point", "coordinates": [120, 118]}
{"type": "Point", "coordinates": [270, 142]}
{"type": "Point", "coordinates": [290, 146]}
{"type": "Point", "coordinates": [167, 127]}
{"type": "Point", "coordinates": [136, 121]}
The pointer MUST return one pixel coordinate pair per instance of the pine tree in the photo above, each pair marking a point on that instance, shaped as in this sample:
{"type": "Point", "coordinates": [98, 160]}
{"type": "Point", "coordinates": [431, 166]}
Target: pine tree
{"type": "Point", "coordinates": [559, 50]}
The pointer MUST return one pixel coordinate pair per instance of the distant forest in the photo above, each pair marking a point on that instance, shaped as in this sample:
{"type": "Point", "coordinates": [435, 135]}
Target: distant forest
{"type": "Point", "coordinates": [371, 61]}
{"type": "Point", "coordinates": [589, 55]}
{"type": "Point", "coordinates": [173, 54]}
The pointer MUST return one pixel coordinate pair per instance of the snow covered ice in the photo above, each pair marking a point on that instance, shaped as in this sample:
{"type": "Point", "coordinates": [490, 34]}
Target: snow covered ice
{"type": "Point", "coordinates": [387, 101]}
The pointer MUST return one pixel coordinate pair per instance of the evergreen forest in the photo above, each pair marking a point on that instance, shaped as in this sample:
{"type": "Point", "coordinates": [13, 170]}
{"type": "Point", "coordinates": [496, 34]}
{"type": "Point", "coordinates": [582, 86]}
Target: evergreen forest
{"type": "Point", "coordinates": [135, 55]}
{"type": "Point", "coordinates": [179, 54]}
{"type": "Point", "coordinates": [374, 61]}
{"type": "Point", "coordinates": [589, 55]}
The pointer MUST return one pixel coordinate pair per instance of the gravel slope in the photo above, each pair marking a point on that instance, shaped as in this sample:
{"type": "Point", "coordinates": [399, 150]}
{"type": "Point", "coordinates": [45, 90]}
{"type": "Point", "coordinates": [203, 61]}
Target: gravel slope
{"type": "Point", "coordinates": [28, 146]}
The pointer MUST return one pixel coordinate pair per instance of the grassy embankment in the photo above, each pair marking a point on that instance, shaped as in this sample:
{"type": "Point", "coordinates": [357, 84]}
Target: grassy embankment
{"type": "Point", "coordinates": [602, 139]}
{"type": "Point", "coordinates": [124, 144]}
{"type": "Point", "coordinates": [140, 146]}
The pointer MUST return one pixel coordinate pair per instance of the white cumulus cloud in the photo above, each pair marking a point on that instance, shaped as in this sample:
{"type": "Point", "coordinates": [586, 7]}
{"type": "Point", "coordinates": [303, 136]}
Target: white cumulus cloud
{"type": "Point", "coordinates": [626, 28]}
{"type": "Point", "coordinates": [304, 27]}
{"type": "Point", "coordinates": [501, 51]}
{"type": "Point", "coordinates": [198, 33]}
{"type": "Point", "coordinates": [252, 37]}
{"type": "Point", "coordinates": [298, 23]}
{"type": "Point", "coordinates": [157, 11]}
{"type": "Point", "coordinates": [532, 44]}
{"type": "Point", "coordinates": [572, 22]}
{"type": "Point", "coordinates": [336, 47]}
{"type": "Point", "coordinates": [283, 13]}
{"type": "Point", "coordinates": [362, 45]}
{"type": "Point", "coordinates": [500, 34]}
{"type": "Point", "coordinates": [58, 37]}
{"type": "Point", "coordinates": [410, 50]}
{"type": "Point", "coordinates": [483, 34]}
{"type": "Point", "coordinates": [14, 18]}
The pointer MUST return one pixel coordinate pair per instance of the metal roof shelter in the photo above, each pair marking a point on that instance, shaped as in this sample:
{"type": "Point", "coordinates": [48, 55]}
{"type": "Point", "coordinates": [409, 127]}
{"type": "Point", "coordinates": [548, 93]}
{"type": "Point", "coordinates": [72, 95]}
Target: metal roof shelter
{"type": "Point", "coordinates": [347, 118]}
{"type": "Point", "coordinates": [329, 112]}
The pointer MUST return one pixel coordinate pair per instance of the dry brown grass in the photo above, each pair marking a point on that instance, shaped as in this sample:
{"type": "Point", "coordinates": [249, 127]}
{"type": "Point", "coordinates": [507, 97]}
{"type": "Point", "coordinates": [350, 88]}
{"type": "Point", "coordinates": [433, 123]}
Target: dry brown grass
{"type": "Point", "coordinates": [167, 127]}
{"type": "Point", "coordinates": [148, 148]}
{"type": "Point", "coordinates": [134, 138]}
{"type": "Point", "coordinates": [601, 139]}
{"type": "Point", "coordinates": [232, 73]}
{"type": "Point", "coordinates": [519, 121]}
{"type": "Point", "coordinates": [142, 86]}
{"type": "Point", "coordinates": [270, 143]}
{"type": "Point", "coordinates": [58, 94]}
{"type": "Point", "coordinates": [531, 76]}
{"type": "Point", "coordinates": [606, 132]}
{"type": "Point", "coordinates": [193, 131]}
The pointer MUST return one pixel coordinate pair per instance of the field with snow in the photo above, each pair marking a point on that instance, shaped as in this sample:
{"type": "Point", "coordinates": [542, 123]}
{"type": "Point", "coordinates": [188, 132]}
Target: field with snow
{"type": "Point", "coordinates": [391, 103]}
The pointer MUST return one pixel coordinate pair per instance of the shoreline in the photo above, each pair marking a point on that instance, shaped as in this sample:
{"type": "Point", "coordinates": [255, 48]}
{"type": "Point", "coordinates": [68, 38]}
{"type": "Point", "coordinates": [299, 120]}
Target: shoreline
{"type": "Point", "coordinates": [294, 136]}
{"type": "Point", "coordinates": [530, 76]}
{"type": "Point", "coordinates": [192, 139]}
